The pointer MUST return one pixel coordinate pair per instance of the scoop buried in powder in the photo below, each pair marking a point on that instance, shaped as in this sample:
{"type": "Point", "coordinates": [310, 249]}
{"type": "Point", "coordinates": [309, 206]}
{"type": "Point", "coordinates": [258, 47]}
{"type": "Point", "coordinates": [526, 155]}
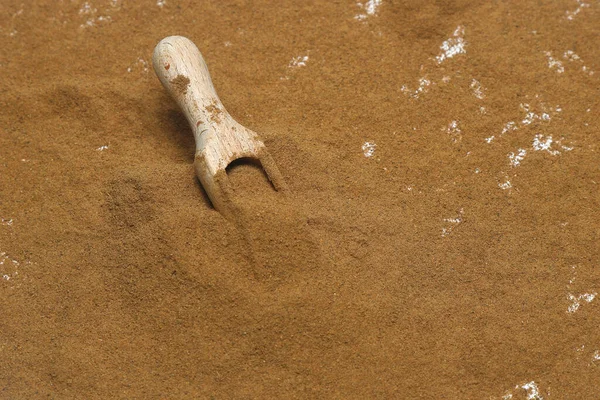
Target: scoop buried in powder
{"type": "Point", "coordinates": [219, 138]}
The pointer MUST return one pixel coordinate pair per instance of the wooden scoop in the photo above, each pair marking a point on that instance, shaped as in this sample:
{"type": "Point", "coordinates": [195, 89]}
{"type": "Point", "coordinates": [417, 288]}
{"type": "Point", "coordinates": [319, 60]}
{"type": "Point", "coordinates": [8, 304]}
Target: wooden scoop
{"type": "Point", "coordinates": [219, 138]}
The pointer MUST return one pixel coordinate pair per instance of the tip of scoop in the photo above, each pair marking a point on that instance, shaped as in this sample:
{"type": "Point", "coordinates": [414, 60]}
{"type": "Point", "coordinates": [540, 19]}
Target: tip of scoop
{"type": "Point", "coordinates": [172, 40]}
{"type": "Point", "coordinates": [167, 45]}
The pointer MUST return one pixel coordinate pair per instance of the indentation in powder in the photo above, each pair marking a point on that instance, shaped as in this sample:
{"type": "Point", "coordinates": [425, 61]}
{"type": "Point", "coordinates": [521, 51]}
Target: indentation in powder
{"type": "Point", "coordinates": [180, 84]}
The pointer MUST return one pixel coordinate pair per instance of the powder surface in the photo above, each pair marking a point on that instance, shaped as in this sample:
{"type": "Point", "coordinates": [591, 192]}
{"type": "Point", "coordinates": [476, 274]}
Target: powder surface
{"type": "Point", "coordinates": [180, 84]}
{"type": "Point", "coordinates": [439, 238]}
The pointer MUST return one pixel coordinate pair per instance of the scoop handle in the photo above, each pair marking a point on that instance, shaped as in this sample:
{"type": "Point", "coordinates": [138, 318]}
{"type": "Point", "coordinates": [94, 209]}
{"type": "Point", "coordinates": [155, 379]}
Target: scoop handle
{"type": "Point", "coordinates": [181, 68]}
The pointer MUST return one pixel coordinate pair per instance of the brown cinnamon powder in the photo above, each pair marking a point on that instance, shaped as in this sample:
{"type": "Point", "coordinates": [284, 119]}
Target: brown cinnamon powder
{"type": "Point", "coordinates": [439, 238]}
{"type": "Point", "coordinates": [180, 84]}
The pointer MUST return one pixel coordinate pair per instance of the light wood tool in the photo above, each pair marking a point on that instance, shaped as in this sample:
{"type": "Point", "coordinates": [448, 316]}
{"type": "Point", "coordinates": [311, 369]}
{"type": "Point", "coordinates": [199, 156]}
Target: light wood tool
{"type": "Point", "coordinates": [219, 138]}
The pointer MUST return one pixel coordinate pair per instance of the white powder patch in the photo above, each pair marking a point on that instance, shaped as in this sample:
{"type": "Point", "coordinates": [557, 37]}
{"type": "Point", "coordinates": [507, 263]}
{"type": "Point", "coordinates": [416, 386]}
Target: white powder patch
{"type": "Point", "coordinates": [533, 393]}
{"type": "Point", "coordinates": [477, 89]}
{"type": "Point", "coordinates": [369, 7]}
{"type": "Point", "coordinates": [532, 116]}
{"type": "Point", "coordinates": [505, 185]}
{"type": "Point", "coordinates": [577, 301]}
{"type": "Point", "coordinates": [554, 63]}
{"type": "Point", "coordinates": [91, 16]}
{"type": "Point", "coordinates": [516, 158]}
{"type": "Point", "coordinates": [453, 46]}
{"type": "Point", "coordinates": [453, 223]}
{"type": "Point", "coordinates": [571, 57]}
{"type": "Point", "coordinates": [596, 356]}
{"type": "Point", "coordinates": [508, 127]}
{"type": "Point", "coordinates": [9, 266]}
{"type": "Point", "coordinates": [7, 222]}
{"type": "Point", "coordinates": [86, 9]}
{"type": "Point", "coordinates": [298, 62]}
{"type": "Point", "coordinates": [545, 114]}
{"type": "Point", "coordinates": [368, 149]}
{"type": "Point", "coordinates": [102, 148]}
{"type": "Point", "coordinates": [564, 147]}
{"type": "Point", "coordinates": [424, 83]}
{"type": "Point", "coordinates": [572, 280]}
{"type": "Point", "coordinates": [11, 28]}
{"type": "Point", "coordinates": [587, 70]}
{"type": "Point", "coordinates": [161, 3]}
{"type": "Point", "coordinates": [139, 64]}
{"type": "Point", "coordinates": [544, 143]}
{"type": "Point", "coordinates": [4, 258]}
{"type": "Point", "coordinates": [580, 6]}
{"type": "Point", "coordinates": [453, 129]}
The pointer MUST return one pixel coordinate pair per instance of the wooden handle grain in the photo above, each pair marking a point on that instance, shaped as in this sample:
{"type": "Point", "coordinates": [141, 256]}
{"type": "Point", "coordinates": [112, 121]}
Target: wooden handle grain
{"type": "Point", "coordinates": [181, 69]}
{"type": "Point", "coordinates": [219, 138]}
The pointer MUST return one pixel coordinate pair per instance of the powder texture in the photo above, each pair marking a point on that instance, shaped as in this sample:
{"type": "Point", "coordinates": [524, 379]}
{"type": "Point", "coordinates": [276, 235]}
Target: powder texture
{"type": "Point", "coordinates": [180, 84]}
{"type": "Point", "coordinates": [411, 257]}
